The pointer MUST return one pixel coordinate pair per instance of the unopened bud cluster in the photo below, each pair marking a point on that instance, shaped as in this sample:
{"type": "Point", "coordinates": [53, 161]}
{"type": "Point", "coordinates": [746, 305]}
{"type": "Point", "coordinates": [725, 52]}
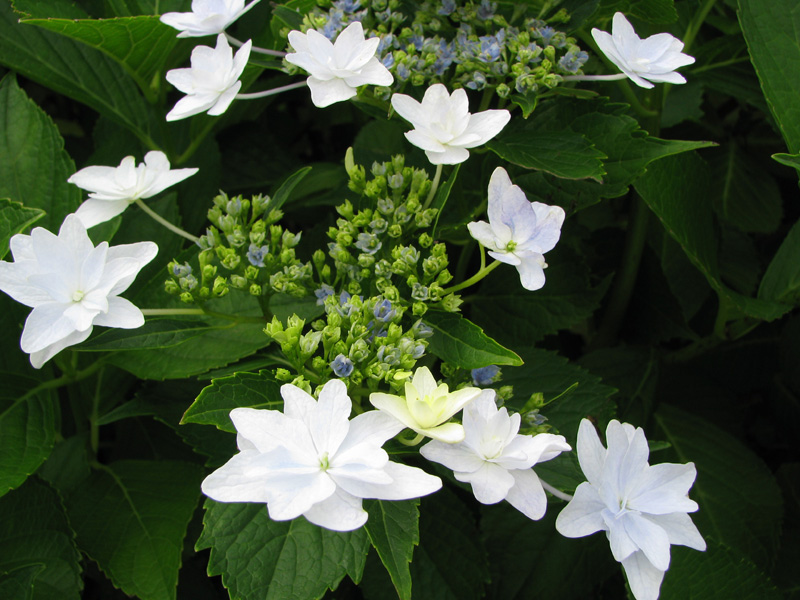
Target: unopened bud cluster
{"type": "Point", "coordinates": [461, 44]}
{"type": "Point", "coordinates": [246, 249]}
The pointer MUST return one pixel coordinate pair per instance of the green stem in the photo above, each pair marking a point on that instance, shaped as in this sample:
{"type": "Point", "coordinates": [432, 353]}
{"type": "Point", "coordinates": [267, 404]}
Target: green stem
{"type": "Point", "coordinates": [272, 92]}
{"type": "Point", "coordinates": [94, 434]}
{"type": "Point", "coordinates": [165, 223]}
{"type": "Point", "coordinates": [486, 98]}
{"type": "Point", "coordinates": [434, 187]}
{"type": "Point", "coordinates": [410, 442]}
{"type": "Point", "coordinates": [474, 279]}
{"type": "Point", "coordinates": [267, 51]}
{"type": "Point", "coordinates": [197, 140]}
{"type": "Point", "coordinates": [556, 492]}
{"type": "Point", "coordinates": [630, 96]}
{"type": "Point", "coordinates": [158, 312]}
{"type": "Point", "coordinates": [61, 381]}
{"type": "Point", "coordinates": [719, 65]}
{"type": "Point", "coordinates": [697, 22]}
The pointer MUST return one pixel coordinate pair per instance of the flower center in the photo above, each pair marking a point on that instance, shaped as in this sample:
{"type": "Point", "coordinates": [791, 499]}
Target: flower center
{"type": "Point", "coordinates": [323, 462]}
{"type": "Point", "coordinates": [511, 246]}
{"type": "Point", "coordinates": [78, 295]}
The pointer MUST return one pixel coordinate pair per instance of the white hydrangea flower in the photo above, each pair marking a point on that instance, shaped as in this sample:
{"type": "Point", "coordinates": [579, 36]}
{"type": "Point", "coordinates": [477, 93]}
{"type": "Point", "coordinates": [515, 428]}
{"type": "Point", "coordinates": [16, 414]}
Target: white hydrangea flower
{"type": "Point", "coordinates": [208, 17]}
{"type": "Point", "coordinates": [642, 508]}
{"type": "Point", "coordinates": [311, 460]}
{"type": "Point", "coordinates": [212, 82]}
{"type": "Point", "coordinates": [71, 286]}
{"type": "Point", "coordinates": [112, 189]}
{"type": "Point", "coordinates": [337, 69]}
{"type": "Point", "coordinates": [443, 126]}
{"type": "Point", "coordinates": [519, 232]}
{"type": "Point", "coordinates": [427, 406]}
{"type": "Point", "coordinates": [643, 61]}
{"type": "Point", "coordinates": [495, 460]}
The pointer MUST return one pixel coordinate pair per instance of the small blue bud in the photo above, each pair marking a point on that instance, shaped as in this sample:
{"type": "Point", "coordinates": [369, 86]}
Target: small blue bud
{"type": "Point", "coordinates": [256, 255]}
{"type": "Point", "coordinates": [342, 366]}
{"type": "Point", "coordinates": [383, 311]}
{"type": "Point", "coordinates": [485, 375]}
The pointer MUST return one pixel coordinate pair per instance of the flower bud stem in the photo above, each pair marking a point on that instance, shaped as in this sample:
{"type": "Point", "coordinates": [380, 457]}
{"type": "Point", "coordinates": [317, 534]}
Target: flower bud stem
{"type": "Point", "coordinates": [484, 271]}
{"type": "Point", "coordinates": [165, 223]}
{"type": "Point", "coordinates": [410, 442]}
{"type": "Point", "coordinates": [434, 187]}
{"type": "Point", "coordinates": [272, 92]}
{"type": "Point", "coordinates": [557, 493]}
{"type": "Point", "coordinates": [615, 77]}
{"type": "Point", "coordinates": [239, 44]}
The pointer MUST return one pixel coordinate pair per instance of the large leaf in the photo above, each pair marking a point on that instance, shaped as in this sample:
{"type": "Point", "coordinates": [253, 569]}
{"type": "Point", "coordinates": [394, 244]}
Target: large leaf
{"type": "Point", "coordinates": [140, 44]}
{"type": "Point", "coordinates": [450, 562]}
{"type": "Point", "coordinates": [130, 517]}
{"type": "Point", "coordinates": [33, 164]}
{"type": "Point", "coordinates": [563, 154]}
{"type": "Point", "coordinates": [653, 11]}
{"type": "Point", "coordinates": [677, 190]}
{"type": "Point", "coordinates": [716, 574]}
{"type": "Point", "coordinates": [216, 401]}
{"type": "Point", "coordinates": [155, 333]}
{"type": "Point", "coordinates": [36, 544]}
{"type": "Point", "coordinates": [393, 530]}
{"type": "Point", "coordinates": [262, 559]}
{"type": "Point", "coordinates": [75, 70]}
{"type": "Point", "coordinates": [740, 502]}
{"type": "Point", "coordinates": [27, 428]}
{"type": "Point", "coordinates": [770, 29]}
{"type": "Point", "coordinates": [460, 342]}
{"type": "Point", "coordinates": [781, 282]}
{"type": "Point", "coordinates": [14, 218]}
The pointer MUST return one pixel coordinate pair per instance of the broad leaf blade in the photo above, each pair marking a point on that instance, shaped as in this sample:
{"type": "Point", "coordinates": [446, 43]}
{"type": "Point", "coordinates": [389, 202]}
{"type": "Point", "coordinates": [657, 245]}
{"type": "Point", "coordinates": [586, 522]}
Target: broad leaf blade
{"type": "Point", "coordinates": [393, 529]}
{"type": "Point", "coordinates": [261, 559]}
{"type": "Point", "coordinates": [781, 282]}
{"type": "Point", "coordinates": [131, 519]}
{"type": "Point", "coordinates": [154, 334]}
{"type": "Point", "coordinates": [460, 342]}
{"type": "Point", "coordinates": [14, 218]}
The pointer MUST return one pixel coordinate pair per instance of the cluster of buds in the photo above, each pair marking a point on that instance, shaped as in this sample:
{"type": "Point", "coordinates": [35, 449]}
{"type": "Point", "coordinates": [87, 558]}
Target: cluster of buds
{"type": "Point", "coordinates": [460, 44]}
{"type": "Point", "coordinates": [361, 341]}
{"type": "Point", "coordinates": [254, 253]}
{"type": "Point", "coordinates": [184, 282]}
{"type": "Point", "coordinates": [386, 248]}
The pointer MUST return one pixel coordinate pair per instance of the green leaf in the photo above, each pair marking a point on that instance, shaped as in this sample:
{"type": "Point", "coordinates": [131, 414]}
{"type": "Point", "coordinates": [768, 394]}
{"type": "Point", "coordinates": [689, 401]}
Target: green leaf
{"type": "Point", "coordinates": [462, 343]}
{"type": "Point", "coordinates": [789, 160]}
{"type": "Point", "coordinates": [216, 401]}
{"type": "Point", "coordinates": [393, 530]}
{"type": "Point", "coordinates": [33, 164]}
{"type": "Point", "coordinates": [442, 194]}
{"type": "Point", "coordinates": [141, 44]}
{"type": "Point", "coordinates": [131, 517]}
{"type": "Point", "coordinates": [549, 374]}
{"type": "Point", "coordinates": [450, 561]}
{"type": "Point", "coordinates": [770, 29]}
{"type": "Point", "coordinates": [527, 555]}
{"type": "Point", "coordinates": [75, 70]}
{"type": "Point", "coordinates": [719, 573]}
{"type": "Point", "coordinates": [18, 583]}
{"type": "Point", "coordinates": [27, 428]}
{"type": "Point", "coordinates": [563, 154]}
{"type": "Point", "coordinates": [155, 333]}
{"type": "Point", "coordinates": [36, 543]}
{"type": "Point", "coordinates": [740, 502]}
{"type": "Point", "coordinates": [280, 197]}
{"type": "Point", "coordinates": [261, 559]}
{"type": "Point", "coordinates": [661, 12]}
{"type": "Point", "coordinates": [226, 342]}
{"type": "Point", "coordinates": [15, 218]}
{"type": "Point", "coordinates": [677, 190]}
{"type": "Point", "coordinates": [781, 282]}
{"type": "Point", "coordinates": [521, 317]}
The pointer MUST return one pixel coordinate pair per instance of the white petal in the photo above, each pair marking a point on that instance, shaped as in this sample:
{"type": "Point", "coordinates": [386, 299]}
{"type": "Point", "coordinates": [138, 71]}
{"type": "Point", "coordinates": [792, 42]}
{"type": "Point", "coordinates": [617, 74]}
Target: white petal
{"type": "Point", "coordinates": [93, 212]}
{"type": "Point", "coordinates": [373, 73]}
{"type": "Point", "coordinates": [411, 110]}
{"type": "Point", "coordinates": [45, 325]}
{"type": "Point", "coordinates": [456, 457]}
{"type": "Point", "coordinates": [483, 232]}
{"type": "Point", "coordinates": [450, 433]}
{"type": "Point", "coordinates": [591, 453]}
{"type": "Point", "coordinates": [191, 105]}
{"type": "Point", "coordinates": [297, 403]}
{"type": "Point", "coordinates": [238, 480]}
{"type": "Point", "coordinates": [663, 488]}
{"type": "Point", "coordinates": [325, 93]}
{"type": "Point", "coordinates": [650, 538]}
{"type": "Point", "coordinates": [407, 482]}
{"type": "Point", "coordinates": [40, 357]}
{"type": "Point", "coordinates": [490, 483]}
{"type": "Point", "coordinates": [371, 428]}
{"type": "Point", "coordinates": [527, 494]}
{"type": "Point", "coordinates": [15, 283]}
{"type": "Point", "coordinates": [291, 496]}
{"type": "Point", "coordinates": [581, 517]}
{"type": "Point", "coordinates": [451, 156]}
{"type": "Point", "coordinates": [267, 429]}
{"type": "Point", "coordinates": [680, 529]}
{"type": "Point", "coordinates": [485, 125]}
{"type": "Point", "coordinates": [644, 579]}
{"type": "Point", "coordinates": [394, 406]}
{"type": "Point", "coordinates": [339, 512]}
{"type": "Point", "coordinates": [329, 424]}
{"type": "Point", "coordinates": [224, 100]}
{"type": "Point", "coordinates": [421, 138]}
{"type": "Point", "coordinates": [121, 313]}
{"type": "Point", "coordinates": [531, 272]}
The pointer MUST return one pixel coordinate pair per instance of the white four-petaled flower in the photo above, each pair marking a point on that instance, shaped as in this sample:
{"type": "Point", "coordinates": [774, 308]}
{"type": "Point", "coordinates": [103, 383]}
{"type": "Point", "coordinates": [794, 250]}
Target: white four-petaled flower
{"type": "Point", "coordinates": [112, 189]}
{"type": "Point", "coordinates": [443, 126]}
{"type": "Point", "coordinates": [208, 17]}
{"type": "Point", "coordinates": [311, 460]}
{"type": "Point", "coordinates": [212, 82]}
{"type": "Point", "coordinates": [642, 508]}
{"type": "Point", "coordinates": [519, 232]}
{"type": "Point", "coordinates": [495, 460]}
{"type": "Point", "coordinates": [71, 286]}
{"type": "Point", "coordinates": [337, 69]}
{"type": "Point", "coordinates": [651, 59]}
{"type": "Point", "coordinates": [427, 406]}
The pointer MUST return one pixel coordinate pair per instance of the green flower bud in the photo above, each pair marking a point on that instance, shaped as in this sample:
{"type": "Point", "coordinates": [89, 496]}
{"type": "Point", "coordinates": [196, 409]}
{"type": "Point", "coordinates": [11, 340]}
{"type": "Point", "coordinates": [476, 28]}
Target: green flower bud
{"type": "Point", "coordinates": [309, 343]}
{"type": "Point", "coordinates": [255, 289]}
{"type": "Point", "coordinates": [282, 374]}
{"type": "Point", "coordinates": [319, 364]}
{"type": "Point", "coordinates": [425, 240]}
{"type": "Point", "coordinates": [260, 203]}
{"type": "Point", "coordinates": [209, 271]}
{"type": "Point", "coordinates": [187, 297]}
{"type": "Point", "coordinates": [419, 308]}
{"type": "Point", "coordinates": [171, 286]}
{"type": "Point", "coordinates": [238, 282]}
{"type": "Point", "coordinates": [346, 209]}
{"type": "Point", "coordinates": [220, 287]}
{"type": "Point", "coordinates": [451, 302]}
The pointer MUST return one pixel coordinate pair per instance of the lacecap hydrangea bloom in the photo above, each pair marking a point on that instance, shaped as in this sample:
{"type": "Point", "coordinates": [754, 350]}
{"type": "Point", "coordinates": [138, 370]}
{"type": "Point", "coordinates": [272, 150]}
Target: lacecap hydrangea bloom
{"type": "Point", "coordinates": [71, 286]}
{"type": "Point", "coordinates": [642, 508]}
{"type": "Point", "coordinates": [427, 406]}
{"type": "Point", "coordinates": [443, 126]}
{"type": "Point", "coordinates": [643, 61]}
{"type": "Point", "coordinates": [495, 460]}
{"type": "Point", "coordinates": [519, 232]}
{"type": "Point", "coordinates": [208, 17]}
{"type": "Point", "coordinates": [337, 69]}
{"type": "Point", "coordinates": [212, 82]}
{"type": "Point", "coordinates": [113, 189]}
{"type": "Point", "coordinates": [312, 460]}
